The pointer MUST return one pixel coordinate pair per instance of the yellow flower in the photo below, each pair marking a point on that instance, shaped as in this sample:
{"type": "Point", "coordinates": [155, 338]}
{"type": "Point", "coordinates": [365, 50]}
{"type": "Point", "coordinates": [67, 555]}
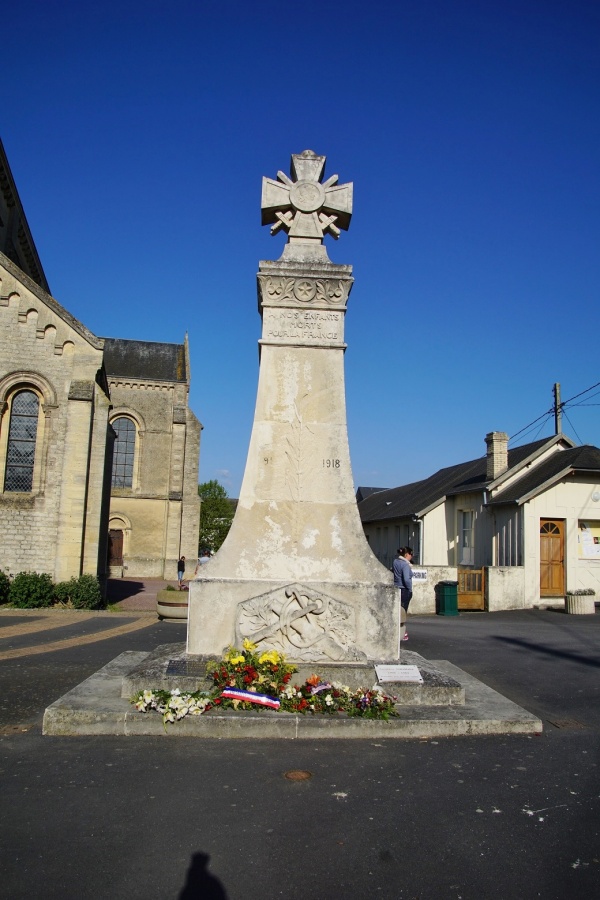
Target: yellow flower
{"type": "Point", "coordinates": [235, 660]}
{"type": "Point", "coordinates": [248, 645]}
{"type": "Point", "coordinates": [271, 656]}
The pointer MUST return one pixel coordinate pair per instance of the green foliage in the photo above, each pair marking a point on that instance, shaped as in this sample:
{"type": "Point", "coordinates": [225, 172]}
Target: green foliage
{"type": "Point", "coordinates": [4, 587]}
{"type": "Point", "coordinates": [216, 515]}
{"type": "Point", "coordinates": [29, 590]}
{"type": "Point", "coordinates": [80, 593]}
{"type": "Point", "coordinates": [170, 587]}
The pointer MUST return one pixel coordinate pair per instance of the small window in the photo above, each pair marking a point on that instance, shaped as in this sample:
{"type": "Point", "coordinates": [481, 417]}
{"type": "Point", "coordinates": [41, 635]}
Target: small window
{"type": "Point", "coordinates": [22, 436]}
{"type": "Point", "coordinates": [467, 554]}
{"type": "Point", "coordinates": [124, 452]}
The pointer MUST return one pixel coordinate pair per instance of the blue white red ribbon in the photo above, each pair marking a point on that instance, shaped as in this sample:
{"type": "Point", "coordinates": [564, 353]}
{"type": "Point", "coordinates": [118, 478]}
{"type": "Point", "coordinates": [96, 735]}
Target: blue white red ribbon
{"type": "Point", "coordinates": [251, 697]}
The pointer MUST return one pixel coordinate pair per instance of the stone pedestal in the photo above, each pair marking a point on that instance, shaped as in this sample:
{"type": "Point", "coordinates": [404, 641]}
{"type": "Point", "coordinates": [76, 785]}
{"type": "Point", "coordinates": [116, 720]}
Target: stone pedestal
{"type": "Point", "coordinates": [296, 572]}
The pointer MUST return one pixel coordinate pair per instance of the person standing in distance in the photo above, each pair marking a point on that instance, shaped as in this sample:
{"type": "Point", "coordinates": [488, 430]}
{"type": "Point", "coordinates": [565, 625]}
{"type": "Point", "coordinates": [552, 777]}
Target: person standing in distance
{"type": "Point", "coordinates": [403, 578]}
{"type": "Point", "coordinates": [180, 571]}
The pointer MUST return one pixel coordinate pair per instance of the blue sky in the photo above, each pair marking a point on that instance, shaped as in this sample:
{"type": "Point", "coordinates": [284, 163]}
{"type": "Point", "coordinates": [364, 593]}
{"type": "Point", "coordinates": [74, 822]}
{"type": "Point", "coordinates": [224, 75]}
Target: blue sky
{"type": "Point", "coordinates": [138, 135]}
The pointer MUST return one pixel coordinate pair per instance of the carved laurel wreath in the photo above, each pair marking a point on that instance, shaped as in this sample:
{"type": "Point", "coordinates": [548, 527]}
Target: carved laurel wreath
{"type": "Point", "coordinates": [305, 290]}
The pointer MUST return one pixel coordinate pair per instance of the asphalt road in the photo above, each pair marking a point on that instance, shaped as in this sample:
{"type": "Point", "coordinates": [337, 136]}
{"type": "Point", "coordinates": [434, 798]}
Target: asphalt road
{"type": "Point", "coordinates": [498, 817]}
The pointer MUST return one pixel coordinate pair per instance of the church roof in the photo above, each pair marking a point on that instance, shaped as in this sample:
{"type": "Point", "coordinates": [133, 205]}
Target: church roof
{"type": "Point", "coordinates": [147, 360]}
{"type": "Point", "coordinates": [16, 241]}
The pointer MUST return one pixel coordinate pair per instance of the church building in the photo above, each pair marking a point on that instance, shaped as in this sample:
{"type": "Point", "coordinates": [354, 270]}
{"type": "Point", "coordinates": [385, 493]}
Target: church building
{"type": "Point", "coordinates": [99, 449]}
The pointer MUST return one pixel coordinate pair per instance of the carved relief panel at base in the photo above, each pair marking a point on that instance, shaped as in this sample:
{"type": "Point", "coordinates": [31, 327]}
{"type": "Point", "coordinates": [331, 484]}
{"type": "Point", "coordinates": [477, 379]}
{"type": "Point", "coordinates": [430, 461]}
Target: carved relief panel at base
{"type": "Point", "coordinates": [304, 624]}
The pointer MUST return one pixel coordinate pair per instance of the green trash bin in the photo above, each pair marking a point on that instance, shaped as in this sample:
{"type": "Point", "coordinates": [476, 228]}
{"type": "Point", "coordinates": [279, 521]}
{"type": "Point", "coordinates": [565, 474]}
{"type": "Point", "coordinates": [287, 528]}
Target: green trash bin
{"type": "Point", "coordinates": [446, 598]}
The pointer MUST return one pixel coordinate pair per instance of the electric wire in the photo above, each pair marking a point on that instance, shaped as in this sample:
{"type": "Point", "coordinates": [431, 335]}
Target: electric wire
{"type": "Point", "coordinates": [562, 406]}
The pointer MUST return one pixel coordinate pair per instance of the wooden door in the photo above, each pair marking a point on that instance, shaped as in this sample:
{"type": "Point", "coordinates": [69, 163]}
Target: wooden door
{"type": "Point", "coordinates": [552, 557]}
{"type": "Point", "coordinates": [115, 547]}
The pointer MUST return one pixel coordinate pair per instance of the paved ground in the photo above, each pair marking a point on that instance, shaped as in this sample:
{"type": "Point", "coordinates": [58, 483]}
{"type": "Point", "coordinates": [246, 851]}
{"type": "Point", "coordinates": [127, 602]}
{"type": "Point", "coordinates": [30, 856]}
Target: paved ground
{"type": "Point", "coordinates": [133, 594]}
{"type": "Point", "coordinates": [499, 817]}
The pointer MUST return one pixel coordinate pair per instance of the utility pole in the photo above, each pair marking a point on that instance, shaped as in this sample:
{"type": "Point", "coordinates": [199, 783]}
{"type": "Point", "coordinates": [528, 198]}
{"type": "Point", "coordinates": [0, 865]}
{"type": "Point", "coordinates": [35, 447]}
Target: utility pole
{"type": "Point", "coordinates": [557, 409]}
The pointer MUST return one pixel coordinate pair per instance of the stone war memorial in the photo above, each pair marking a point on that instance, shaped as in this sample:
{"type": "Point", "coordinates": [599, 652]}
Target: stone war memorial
{"type": "Point", "coordinates": [295, 575]}
{"type": "Point", "coordinates": [296, 572]}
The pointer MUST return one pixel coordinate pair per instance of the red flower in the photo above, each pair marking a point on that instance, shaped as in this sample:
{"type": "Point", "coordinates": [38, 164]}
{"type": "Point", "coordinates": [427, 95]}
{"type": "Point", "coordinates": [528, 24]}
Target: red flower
{"type": "Point", "coordinates": [287, 677]}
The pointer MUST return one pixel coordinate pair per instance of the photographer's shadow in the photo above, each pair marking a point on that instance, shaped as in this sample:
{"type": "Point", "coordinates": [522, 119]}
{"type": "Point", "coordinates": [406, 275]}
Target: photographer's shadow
{"type": "Point", "coordinates": [200, 884]}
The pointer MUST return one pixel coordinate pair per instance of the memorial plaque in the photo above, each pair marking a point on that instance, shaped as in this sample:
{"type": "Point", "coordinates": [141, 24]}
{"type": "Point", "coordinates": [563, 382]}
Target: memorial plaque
{"type": "Point", "coordinates": [398, 673]}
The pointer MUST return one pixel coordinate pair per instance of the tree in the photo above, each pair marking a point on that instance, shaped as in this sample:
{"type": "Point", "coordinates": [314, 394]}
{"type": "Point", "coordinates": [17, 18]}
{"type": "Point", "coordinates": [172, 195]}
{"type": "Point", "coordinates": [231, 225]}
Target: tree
{"type": "Point", "coordinates": [216, 515]}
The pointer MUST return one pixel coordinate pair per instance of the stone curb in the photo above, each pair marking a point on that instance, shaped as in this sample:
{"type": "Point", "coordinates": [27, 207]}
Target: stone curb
{"type": "Point", "coordinates": [53, 611]}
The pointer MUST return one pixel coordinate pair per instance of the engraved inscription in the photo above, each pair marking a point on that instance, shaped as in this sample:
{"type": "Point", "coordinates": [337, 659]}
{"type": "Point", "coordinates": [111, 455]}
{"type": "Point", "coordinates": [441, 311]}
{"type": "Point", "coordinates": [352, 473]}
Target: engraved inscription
{"type": "Point", "coordinates": [331, 464]}
{"type": "Point", "coordinates": [303, 325]}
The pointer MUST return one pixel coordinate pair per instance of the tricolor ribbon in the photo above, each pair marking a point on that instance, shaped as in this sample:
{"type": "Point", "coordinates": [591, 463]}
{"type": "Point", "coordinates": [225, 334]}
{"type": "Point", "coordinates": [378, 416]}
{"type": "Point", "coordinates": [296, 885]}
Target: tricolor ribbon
{"type": "Point", "coordinates": [251, 697]}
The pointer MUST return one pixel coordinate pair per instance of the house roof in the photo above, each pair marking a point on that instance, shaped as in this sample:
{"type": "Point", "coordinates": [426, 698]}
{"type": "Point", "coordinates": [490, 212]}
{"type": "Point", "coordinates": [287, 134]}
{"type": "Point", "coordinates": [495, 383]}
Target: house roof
{"type": "Point", "coordinates": [578, 459]}
{"type": "Point", "coordinates": [363, 492]}
{"type": "Point", "coordinates": [146, 360]}
{"type": "Point", "coordinates": [420, 496]}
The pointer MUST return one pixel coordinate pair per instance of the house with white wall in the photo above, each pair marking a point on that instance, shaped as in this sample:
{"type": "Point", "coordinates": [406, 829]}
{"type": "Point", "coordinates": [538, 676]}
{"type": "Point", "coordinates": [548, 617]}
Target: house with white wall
{"type": "Point", "coordinates": [526, 521]}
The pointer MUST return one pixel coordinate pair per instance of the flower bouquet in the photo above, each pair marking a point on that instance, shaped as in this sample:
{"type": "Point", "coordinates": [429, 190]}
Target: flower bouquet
{"type": "Point", "coordinates": [253, 679]}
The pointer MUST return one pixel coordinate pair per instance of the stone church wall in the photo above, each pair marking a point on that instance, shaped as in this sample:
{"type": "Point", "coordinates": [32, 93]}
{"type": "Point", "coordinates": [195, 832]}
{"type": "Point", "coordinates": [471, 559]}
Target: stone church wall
{"type": "Point", "coordinates": [42, 530]}
{"type": "Point", "coordinates": [159, 514]}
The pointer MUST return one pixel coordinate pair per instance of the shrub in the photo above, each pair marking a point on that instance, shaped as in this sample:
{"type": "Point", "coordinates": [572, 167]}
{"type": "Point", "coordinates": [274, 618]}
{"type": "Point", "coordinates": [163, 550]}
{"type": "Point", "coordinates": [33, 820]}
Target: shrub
{"type": "Point", "coordinates": [4, 587]}
{"type": "Point", "coordinates": [30, 590]}
{"type": "Point", "coordinates": [80, 593]}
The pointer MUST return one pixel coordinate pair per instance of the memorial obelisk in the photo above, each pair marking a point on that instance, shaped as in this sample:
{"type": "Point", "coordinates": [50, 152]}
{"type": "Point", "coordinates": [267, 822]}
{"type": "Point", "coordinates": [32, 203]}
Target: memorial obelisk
{"type": "Point", "coordinates": [296, 572]}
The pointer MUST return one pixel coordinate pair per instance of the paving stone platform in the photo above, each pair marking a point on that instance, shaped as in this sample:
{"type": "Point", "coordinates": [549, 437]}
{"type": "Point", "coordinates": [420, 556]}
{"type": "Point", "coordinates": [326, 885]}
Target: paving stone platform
{"type": "Point", "coordinates": [97, 706]}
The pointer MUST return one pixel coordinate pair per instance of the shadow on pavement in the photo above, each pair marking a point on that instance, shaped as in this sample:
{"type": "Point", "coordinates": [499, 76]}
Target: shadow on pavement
{"type": "Point", "coordinates": [119, 589]}
{"type": "Point", "coordinates": [549, 651]}
{"type": "Point", "coordinates": [200, 884]}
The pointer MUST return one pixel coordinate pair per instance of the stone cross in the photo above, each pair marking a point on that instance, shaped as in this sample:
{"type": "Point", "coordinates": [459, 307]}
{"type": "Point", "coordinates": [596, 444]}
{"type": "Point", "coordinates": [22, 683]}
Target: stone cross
{"type": "Point", "coordinates": [302, 205]}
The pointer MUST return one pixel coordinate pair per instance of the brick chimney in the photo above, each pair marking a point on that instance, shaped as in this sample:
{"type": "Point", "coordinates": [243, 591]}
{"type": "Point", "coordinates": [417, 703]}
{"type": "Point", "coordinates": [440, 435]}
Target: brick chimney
{"type": "Point", "coordinates": [497, 454]}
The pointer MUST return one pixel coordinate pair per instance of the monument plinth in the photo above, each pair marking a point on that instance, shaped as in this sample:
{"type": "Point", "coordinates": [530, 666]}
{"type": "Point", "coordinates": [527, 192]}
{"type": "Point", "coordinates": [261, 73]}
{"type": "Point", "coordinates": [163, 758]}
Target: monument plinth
{"type": "Point", "coordinates": [296, 572]}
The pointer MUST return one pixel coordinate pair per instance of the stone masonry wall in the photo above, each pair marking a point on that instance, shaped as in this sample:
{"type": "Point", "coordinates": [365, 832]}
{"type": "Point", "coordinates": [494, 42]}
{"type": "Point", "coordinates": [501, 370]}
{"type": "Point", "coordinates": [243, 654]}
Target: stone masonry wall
{"type": "Point", "coordinates": [38, 348]}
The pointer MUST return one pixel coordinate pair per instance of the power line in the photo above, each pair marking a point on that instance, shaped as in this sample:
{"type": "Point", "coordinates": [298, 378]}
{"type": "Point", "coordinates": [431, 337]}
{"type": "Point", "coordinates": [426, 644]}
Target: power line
{"type": "Point", "coordinates": [573, 427]}
{"type": "Point", "coordinates": [527, 427]}
{"type": "Point", "coordinates": [581, 403]}
{"type": "Point", "coordinates": [587, 390]}
{"type": "Point", "coordinates": [562, 406]}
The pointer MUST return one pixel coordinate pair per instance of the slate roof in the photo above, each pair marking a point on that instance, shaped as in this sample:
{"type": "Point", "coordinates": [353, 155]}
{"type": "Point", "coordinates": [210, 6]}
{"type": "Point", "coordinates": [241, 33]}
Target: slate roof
{"type": "Point", "coordinates": [579, 459]}
{"type": "Point", "coordinates": [363, 492]}
{"type": "Point", "coordinates": [25, 256]}
{"type": "Point", "coordinates": [413, 499]}
{"type": "Point", "coordinates": [148, 360]}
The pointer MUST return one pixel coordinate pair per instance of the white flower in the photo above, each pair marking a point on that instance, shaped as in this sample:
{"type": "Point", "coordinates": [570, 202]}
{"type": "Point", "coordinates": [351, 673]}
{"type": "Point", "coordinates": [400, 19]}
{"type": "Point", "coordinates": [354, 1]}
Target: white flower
{"type": "Point", "coordinates": [148, 696]}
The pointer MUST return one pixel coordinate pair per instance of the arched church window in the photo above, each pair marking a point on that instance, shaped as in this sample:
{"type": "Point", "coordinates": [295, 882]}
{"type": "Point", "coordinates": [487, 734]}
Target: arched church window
{"type": "Point", "coordinates": [124, 452]}
{"type": "Point", "coordinates": [22, 437]}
